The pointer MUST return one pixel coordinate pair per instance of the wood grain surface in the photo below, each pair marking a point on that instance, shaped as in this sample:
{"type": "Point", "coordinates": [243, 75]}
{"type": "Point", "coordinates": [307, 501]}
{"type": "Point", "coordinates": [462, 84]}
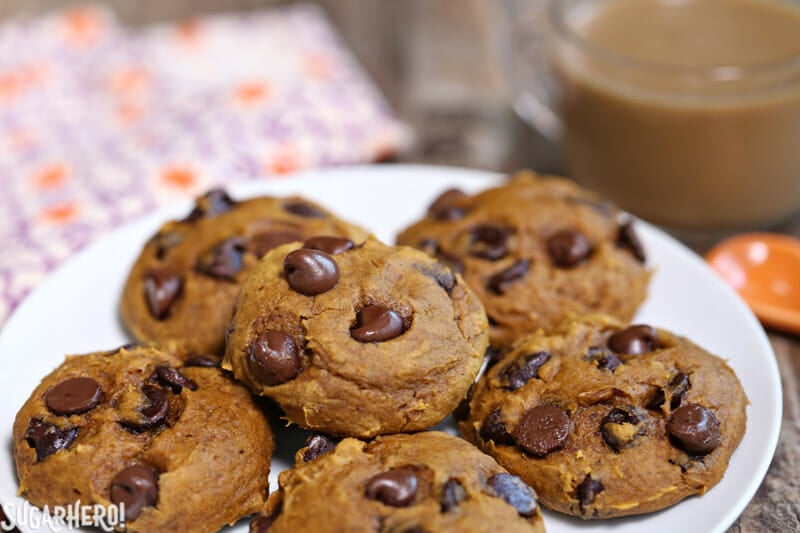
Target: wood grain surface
{"type": "Point", "coordinates": [438, 63]}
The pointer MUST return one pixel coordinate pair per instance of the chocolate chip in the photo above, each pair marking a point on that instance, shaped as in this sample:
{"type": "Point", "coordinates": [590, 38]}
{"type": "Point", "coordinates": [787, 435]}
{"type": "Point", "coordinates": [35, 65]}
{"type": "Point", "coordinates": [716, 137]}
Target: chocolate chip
{"type": "Point", "coordinates": [164, 242]}
{"type": "Point", "coordinates": [514, 492]}
{"type": "Point", "coordinates": [627, 239]}
{"type": "Point", "coordinates": [261, 243]}
{"type": "Point", "coordinates": [73, 396]}
{"type": "Point", "coordinates": [455, 264]}
{"type": "Point", "coordinates": [223, 260]}
{"type": "Point", "coordinates": [620, 428]}
{"type": "Point", "coordinates": [318, 444]}
{"type": "Point", "coordinates": [635, 340]}
{"type": "Point", "coordinates": [304, 210]}
{"type": "Point", "coordinates": [678, 387]}
{"type": "Point", "coordinates": [493, 429]}
{"type": "Point", "coordinates": [497, 282]}
{"type": "Point", "coordinates": [443, 276]}
{"type": "Point", "coordinates": [542, 429]}
{"type": "Point", "coordinates": [656, 400]}
{"type": "Point", "coordinates": [489, 242]}
{"type": "Point", "coordinates": [376, 323]}
{"type": "Point", "coordinates": [47, 439]}
{"type": "Point", "coordinates": [174, 379]}
{"type": "Point", "coordinates": [605, 359]}
{"type": "Point", "coordinates": [587, 490]}
{"type": "Point", "coordinates": [161, 288]}
{"type": "Point", "coordinates": [453, 494]}
{"type": "Point", "coordinates": [213, 203]}
{"type": "Point", "coordinates": [310, 272]}
{"type": "Point", "coordinates": [695, 429]}
{"type": "Point", "coordinates": [568, 247]}
{"type": "Point", "coordinates": [137, 488]}
{"type": "Point", "coordinates": [202, 361]}
{"type": "Point", "coordinates": [274, 358]}
{"type": "Point", "coordinates": [523, 369]}
{"type": "Point", "coordinates": [156, 409]}
{"type": "Point", "coordinates": [443, 207]}
{"type": "Point", "coordinates": [396, 487]}
{"type": "Point", "coordinates": [329, 245]}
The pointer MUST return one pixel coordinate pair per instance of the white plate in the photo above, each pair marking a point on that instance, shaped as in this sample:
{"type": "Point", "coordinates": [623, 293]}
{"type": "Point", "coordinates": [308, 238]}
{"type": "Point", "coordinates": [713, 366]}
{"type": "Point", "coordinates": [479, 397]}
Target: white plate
{"type": "Point", "coordinates": [75, 311]}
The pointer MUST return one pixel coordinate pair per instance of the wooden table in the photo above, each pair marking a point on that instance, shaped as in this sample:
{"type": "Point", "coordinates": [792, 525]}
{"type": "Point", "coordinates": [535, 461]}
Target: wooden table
{"type": "Point", "coordinates": [437, 62]}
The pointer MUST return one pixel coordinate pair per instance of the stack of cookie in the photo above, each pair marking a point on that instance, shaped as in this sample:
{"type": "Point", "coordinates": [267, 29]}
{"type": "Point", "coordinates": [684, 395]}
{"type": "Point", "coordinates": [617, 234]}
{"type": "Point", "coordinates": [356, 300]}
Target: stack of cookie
{"type": "Point", "coordinates": [366, 345]}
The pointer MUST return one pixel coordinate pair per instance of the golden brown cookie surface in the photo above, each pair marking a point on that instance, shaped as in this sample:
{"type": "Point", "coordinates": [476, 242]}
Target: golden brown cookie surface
{"type": "Point", "coordinates": [607, 421]}
{"type": "Point", "coordinates": [183, 285]}
{"type": "Point", "coordinates": [427, 481]}
{"type": "Point", "coordinates": [361, 341]}
{"type": "Point", "coordinates": [536, 250]}
{"type": "Point", "coordinates": [183, 447]}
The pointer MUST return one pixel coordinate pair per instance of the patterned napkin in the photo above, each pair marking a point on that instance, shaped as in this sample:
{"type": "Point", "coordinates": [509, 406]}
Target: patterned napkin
{"type": "Point", "coordinates": [100, 124]}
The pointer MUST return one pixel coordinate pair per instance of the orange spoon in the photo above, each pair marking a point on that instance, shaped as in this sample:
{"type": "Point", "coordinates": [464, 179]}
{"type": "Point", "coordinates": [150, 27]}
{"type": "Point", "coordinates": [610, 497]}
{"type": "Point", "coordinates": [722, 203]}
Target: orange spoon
{"type": "Point", "coordinates": [764, 268]}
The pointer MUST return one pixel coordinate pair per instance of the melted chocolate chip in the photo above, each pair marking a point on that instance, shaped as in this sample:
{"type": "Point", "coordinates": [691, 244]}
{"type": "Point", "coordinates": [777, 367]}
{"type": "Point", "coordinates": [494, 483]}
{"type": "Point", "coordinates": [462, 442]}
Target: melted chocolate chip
{"type": "Point", "coordinates": [73, 396]}
{"type": "Point", "coordinates": [329, 245]}
{"type": "Point", "coordinates": [453, 494]}
{"type": "Point", "coordinates": [47, 439]}
{"type": "Point", "coordinates": [678, 387]}
{"type": "Point", "coordinates": [588, 490]}
{"type": "Point", "coordinates": [310, 272]}
{"type": "Point", "coordinates": [274, 358]}
{"type": "Point", "coordinates": [497, 283]}
{"type": "Point", "coordinates": [443, 276]}
{"type": "Point", "coordinates": [202, 361]}
{"type": "Point", "coordinates": [304, 210]}
{"type": "Point", "coordinates": [137, 488]}
{"type": "Point", "coordinates": [213, 203]}
{"type": "Point", "coordinates": [542, 429]}
{"type": "Point", "coordinates": [488, 242]}
{"type": "Point", "coordinates": [174, 380]}
{"type": "Point", "coordinates": [605, 358]}
{"type": "Point", "coordinates": [620, 428]}
{"type": "Point", "coordinates": [376, 323]}
{"type": "Point", "coordinates": [156, 409]}
{"type": "Point", "coordinates": [568, 247]}
{"type": "Point", "coordinates": [161, 288]}
{"type": "Point", "coordinates": [695, 429]}
{"type": "Point", "coordinates": [396, 487]}
{"type": "Point", "coordinates": [318, 444]}
{"type": "Point", "coordinates": [514, 492]}
{"type": "Point", "coordinates": [627, 239]}
{"type": "Point", "coordinates": [223, 260]}
{"type": "Point", "coordinates": [523, 369]}
{"type": "Point", "coordinates": [635, 340]}
{"type": "Point", "coordinates": [261, 243]}
{"type": "Point", "coordinates": [263, 523]}
{"type": "Point", "coordinates": [493, 429]}
{"type": "Point", "coordinates": [443, 207]}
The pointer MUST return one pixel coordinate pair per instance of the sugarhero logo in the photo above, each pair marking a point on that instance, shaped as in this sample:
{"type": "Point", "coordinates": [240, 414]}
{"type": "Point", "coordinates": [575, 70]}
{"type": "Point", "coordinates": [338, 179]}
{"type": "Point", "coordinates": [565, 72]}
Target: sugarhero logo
{"type": "Point", "coordinates": [60, 518]}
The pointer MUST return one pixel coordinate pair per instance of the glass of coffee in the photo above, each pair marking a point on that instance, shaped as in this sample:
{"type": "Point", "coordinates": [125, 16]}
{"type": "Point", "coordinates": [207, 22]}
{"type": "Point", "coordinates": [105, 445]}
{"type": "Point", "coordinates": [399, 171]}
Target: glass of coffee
{"type": "Point", "coordinates": [685, 112]}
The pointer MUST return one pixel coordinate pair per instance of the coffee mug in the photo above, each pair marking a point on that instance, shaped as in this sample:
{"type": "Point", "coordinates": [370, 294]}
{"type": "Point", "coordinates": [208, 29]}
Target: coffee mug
{"type": "Point", "coordinates": [686, 113]}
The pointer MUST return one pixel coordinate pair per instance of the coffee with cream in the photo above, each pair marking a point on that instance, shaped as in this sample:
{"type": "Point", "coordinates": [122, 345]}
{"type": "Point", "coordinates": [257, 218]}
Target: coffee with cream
{"type": "Point", "coordinates": [686, 112]}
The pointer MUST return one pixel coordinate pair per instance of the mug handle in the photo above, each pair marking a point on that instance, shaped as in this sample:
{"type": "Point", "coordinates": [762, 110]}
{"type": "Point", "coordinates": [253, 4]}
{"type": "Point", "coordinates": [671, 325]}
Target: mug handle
{"type": "Point", "coordinates": [528, 37]}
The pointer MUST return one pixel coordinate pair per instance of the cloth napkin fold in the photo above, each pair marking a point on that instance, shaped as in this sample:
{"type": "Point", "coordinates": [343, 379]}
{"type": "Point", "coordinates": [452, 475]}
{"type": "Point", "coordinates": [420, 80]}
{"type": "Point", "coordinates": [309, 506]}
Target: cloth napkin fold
{"type": "Point", "coordinates": [100, 124]}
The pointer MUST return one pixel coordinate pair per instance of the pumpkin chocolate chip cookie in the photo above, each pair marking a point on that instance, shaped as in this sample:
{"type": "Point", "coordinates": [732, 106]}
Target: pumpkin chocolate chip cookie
{"type": "Point", "coordinates": [605, 421]}
{"type": "Point", "coordinates": [183, 284]}
{"type": "Point", "coordinates": [357, 340]}
{"type": "Point", "coordinates": [423, 482]}
{"type": "Point", "coordinates": [181, 445]}
{"type": "Point", "coordinates": [536, 250]}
